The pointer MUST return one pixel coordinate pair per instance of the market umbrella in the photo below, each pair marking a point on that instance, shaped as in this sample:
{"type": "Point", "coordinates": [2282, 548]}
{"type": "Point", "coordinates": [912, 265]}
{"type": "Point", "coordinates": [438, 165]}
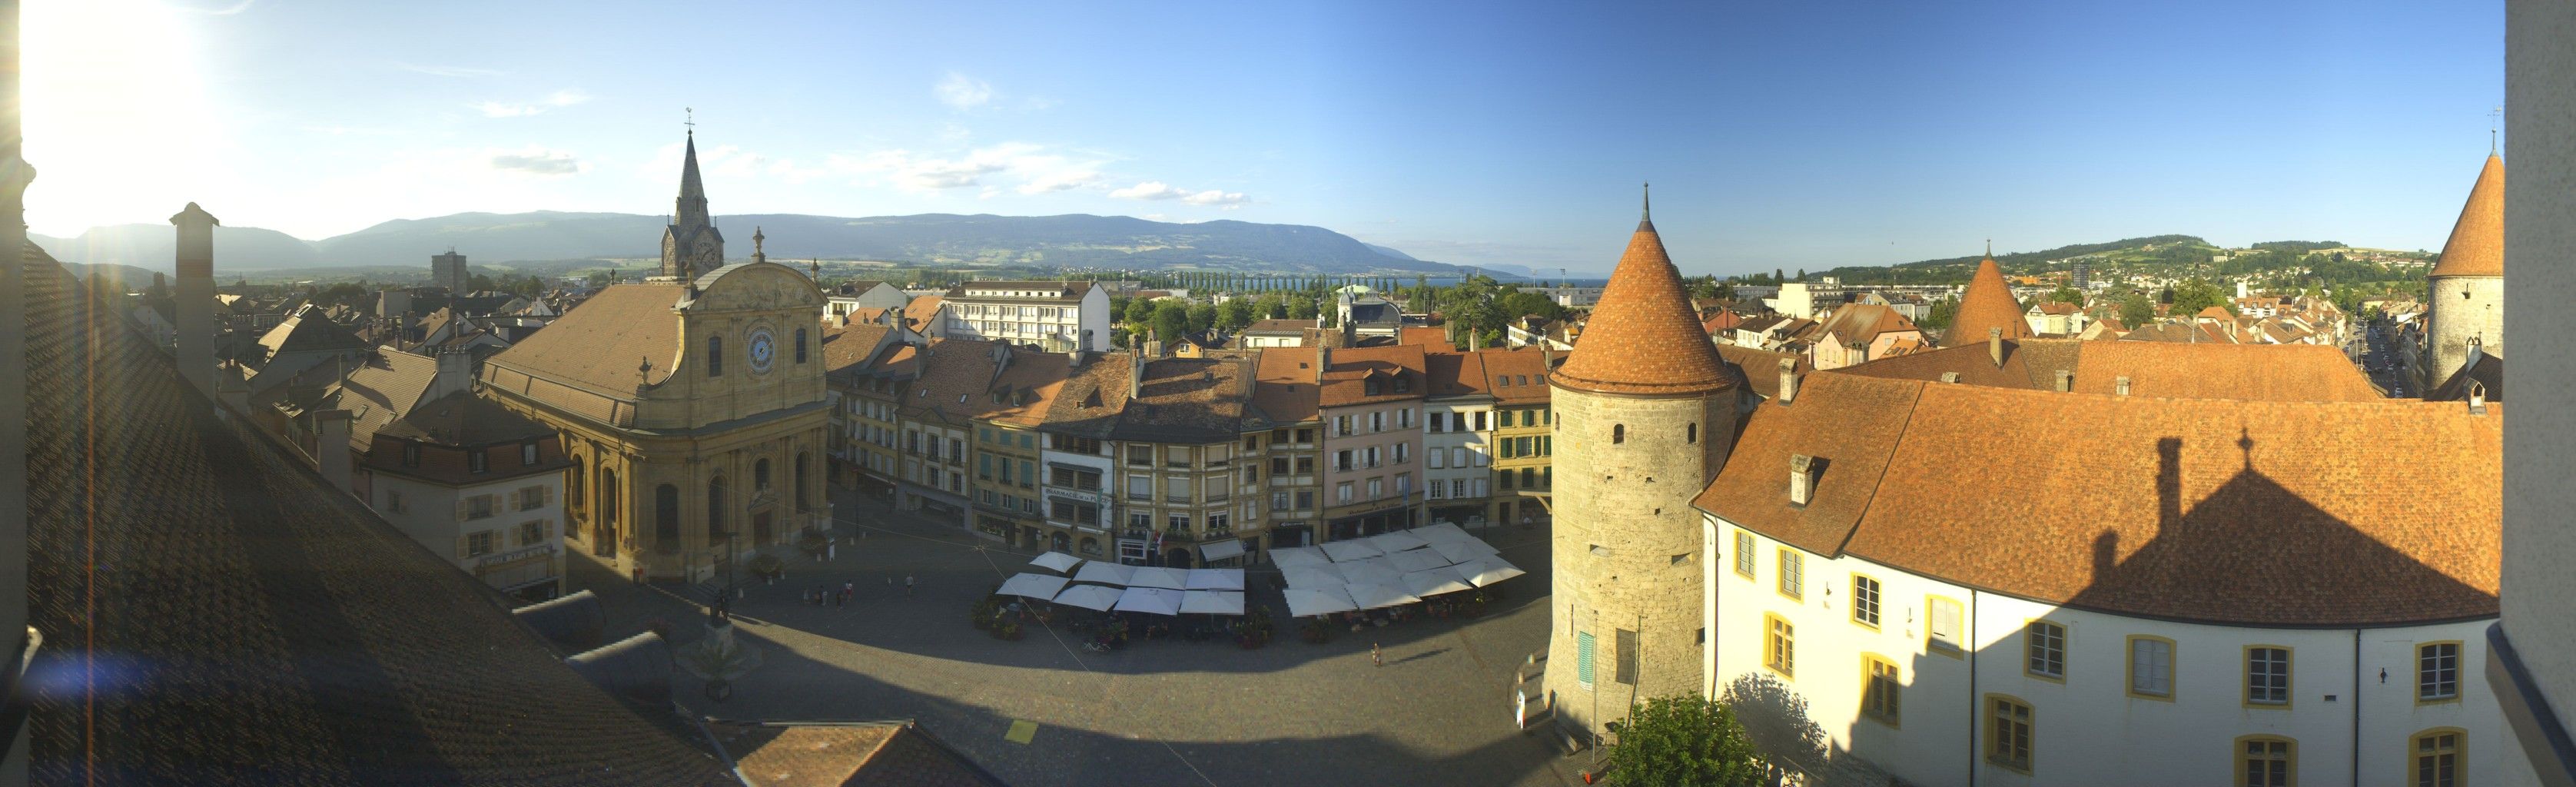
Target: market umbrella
{"type": "Point", "coordinates": [1156, 601]}
{"type": "Point", "coordinates": [1394, 541]}
{"type": "Point", "coordinates": [1172, 578]}
{"type": "Point", "coordinates": [1216, 579]}
{"type": "Point", "coordinates": [1093, 597]}
{"type": "Point", "coordinates": [1376, 596]}
{"type": "Point", "coordinates": [1323, 576]}
{"type": "Point", "coordinates": [1104, 573]}
{"type": "Point", "coordinates": [1463, 551]}
{"type": "Point", "coordinates": [1434, 582]}
{"type": "Point", "coordinates": [1412, 560]}
{"type": "Point", "coordinates": [1307, 602]}
{"type": "Point", "coordinates": [1211, 602]}
{"type": "Point", "coordinates": [1373, 571]}
{"type": "Point", "coordinates": [1441, 532]}
{"type": "Point", "coordinates": [1037, 586]}
{"type": "Point", "coordinates": [1346, 551]}
{"type": "Point", "coordinates": [1487, 571]}
{"type": "Point", "coordinates": [1056, 561]}
{"type": "Point", "coordinates": [1298, 557]}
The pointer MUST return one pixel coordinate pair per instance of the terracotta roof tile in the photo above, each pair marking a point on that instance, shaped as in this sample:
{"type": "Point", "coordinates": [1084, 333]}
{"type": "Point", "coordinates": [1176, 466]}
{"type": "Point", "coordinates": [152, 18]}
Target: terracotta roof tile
{"type": "Point", "coordinates": [1759, 370]}
{"type": "Point", "coordinates": [1643, 337]}
{"type": "Point", "coordinates": [1987, 304]}
{"type": "Point", "coordinates": [1394, 366]}
{"type": "Point", "coordinates": [2476, 247]}
{"type": "Point", "coordinates": [1285, 388]}
{"type": "Point", "coordinates": [1516, 376]}
{"type": "Point", "coordinates": [1433, 338]}
{"type": "Point", "coordinates": [599, 344]}
{"type": "Point", "coordinates": [1456, 374]}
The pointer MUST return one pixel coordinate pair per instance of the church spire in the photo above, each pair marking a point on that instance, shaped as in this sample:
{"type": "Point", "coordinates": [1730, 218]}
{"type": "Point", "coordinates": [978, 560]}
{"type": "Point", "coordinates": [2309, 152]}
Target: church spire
{"type": "Point", "coordinates": [691, 245]}
{"type": "Point", "coordinates": [1646, 217]}
{"type": "Point", "coordinates": [693, 193]}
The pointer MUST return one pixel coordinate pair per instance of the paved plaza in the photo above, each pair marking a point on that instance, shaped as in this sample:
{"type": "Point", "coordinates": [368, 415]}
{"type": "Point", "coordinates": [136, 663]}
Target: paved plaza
{"type": "Point", "coordinates": [1043, 711]}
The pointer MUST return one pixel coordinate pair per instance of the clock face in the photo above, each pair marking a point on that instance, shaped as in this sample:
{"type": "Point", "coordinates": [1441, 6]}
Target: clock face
{"type": "Point", "coordinates": [762, 351]}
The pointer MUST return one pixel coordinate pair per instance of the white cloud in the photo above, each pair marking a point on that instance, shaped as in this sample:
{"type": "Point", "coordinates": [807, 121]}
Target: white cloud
{"type": "Point", "coordinates": [1034, 167]}
{"type": "Point", "coordinates": [964, 92]}
{"type": "Point", "coordinates": [1228, 199]}
{"type": "Point", "coordinates": [1060, 180]}
{"type": "Point", "coordinates": [1151, 189]}
{"type": "Point", "coordinates": [537, 160]}
{"type": "Point", "coordinates": [565, 98]}
{"type": "Point", "coordinates": [560, 98]}
{"type": "Point", "coordinates": [1158, 190]}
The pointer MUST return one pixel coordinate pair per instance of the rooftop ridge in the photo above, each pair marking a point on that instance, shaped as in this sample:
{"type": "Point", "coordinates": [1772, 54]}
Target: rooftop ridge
{"type": "Point", "coordinates": [1988, 303]}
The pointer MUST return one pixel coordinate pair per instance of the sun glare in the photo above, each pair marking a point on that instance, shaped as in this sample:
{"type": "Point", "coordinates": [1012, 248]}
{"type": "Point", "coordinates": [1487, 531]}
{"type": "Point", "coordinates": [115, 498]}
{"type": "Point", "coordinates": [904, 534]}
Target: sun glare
{"type": "Point", "coordinates": [118, 122]}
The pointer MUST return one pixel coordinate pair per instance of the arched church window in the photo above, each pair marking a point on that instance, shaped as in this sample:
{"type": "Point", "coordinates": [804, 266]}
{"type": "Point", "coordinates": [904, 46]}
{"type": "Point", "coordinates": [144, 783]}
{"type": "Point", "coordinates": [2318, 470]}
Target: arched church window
{"type": "Point", "coordinates": [716, 511]}
{"type": "Point", "coordinates": [1694, 434]}
{"type": "Point", "coordinates": [715, 356]}
{"type": "Point", "coordinates": [760, 476]}
{"type": "Point", "coordinates": [800, 345]}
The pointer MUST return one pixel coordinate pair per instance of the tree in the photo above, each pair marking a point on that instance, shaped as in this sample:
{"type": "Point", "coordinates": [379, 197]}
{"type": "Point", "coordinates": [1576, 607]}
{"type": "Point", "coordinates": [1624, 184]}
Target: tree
{"type": "Point", "coordinates": [2192, 296]}
{"type": "Point", "coordinates": [2137, 309]}
{"type": "Point", "coordinates": [1943, 312]}
{"type": "Point", "coordinates": [478, 283]}
{"type": "Point", "coordinates": [1202, 316]}
{"type": "Point", "coordinates": [1301, 306]}
{"type": "Point", "coordinates": [2067, 295]}
{"type": "Point", "coordinates": [1171, 320]}
{"type": "Point", "coordinates": [1140, 311]}
{"type": "Point", "coordinates": [1271, 306]}
{"type": "Point", "coordinates": [1704, 287]}
{"type": "Point", "coordinates": [1233, 314]}
{"type": "Point", "coordinates": [1685, 740]}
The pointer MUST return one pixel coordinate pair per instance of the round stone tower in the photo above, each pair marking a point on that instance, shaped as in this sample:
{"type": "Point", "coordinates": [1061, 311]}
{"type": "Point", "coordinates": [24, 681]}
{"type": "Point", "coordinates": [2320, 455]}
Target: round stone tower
{"type": "Point", "coordinates": [2466, 295]}
{"type": "Point", "coordinates": [1645, 415]}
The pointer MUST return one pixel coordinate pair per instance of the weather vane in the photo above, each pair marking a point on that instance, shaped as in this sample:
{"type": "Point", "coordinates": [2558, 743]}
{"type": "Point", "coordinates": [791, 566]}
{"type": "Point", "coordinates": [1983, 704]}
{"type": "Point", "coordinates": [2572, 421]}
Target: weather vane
{"type": "Point", "coordinates": [2494, 117]}
{"type": "Point", "coordinates": [692, 114]}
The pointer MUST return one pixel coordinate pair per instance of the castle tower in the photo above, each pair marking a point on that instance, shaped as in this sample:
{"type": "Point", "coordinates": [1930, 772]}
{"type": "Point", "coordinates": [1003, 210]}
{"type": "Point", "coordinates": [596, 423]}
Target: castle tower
{"type": "Point", "coordinates": [691, 245]}
{"type": "Point", "coordinates": [1647, 411]}
{"type": "Point", "coordinates": [1988, 303]}
{"type": "Point", "coordinates": [2467, 292]}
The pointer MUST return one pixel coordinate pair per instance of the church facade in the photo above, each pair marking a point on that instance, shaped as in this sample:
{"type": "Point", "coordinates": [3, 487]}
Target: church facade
{"type": "Point", "coordinates": [692, 405]}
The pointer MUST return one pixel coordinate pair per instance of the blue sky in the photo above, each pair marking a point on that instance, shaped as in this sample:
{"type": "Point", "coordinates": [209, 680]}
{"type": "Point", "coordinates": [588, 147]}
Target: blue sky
{"type": "Point", "coordinates": [1791, 135]}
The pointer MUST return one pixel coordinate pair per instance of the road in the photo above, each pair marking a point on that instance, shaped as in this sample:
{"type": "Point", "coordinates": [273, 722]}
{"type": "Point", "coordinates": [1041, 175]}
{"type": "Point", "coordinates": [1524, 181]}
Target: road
{"type": "Point", "coordinates": [2380, 354]}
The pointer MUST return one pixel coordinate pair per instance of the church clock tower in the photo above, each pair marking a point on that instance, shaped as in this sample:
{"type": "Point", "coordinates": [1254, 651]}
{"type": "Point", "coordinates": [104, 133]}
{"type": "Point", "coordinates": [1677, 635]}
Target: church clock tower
{"type": "Point", "coordinates": [691, 246]}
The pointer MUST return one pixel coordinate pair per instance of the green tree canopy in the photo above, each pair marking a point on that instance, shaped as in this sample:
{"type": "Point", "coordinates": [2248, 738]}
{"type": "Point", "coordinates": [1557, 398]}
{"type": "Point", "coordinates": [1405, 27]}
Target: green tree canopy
{"type": "Point", "coordinates": [1201, 317]}
{"type": "Point", "coordinates": [1301, 307]}
{"type": "Point", "coordinates": [1686, 740]}
{"type": "Point", "coordinates": [1233, 314]}
{"type": "Point", "coordinates": [1171, 320]}
{"type": "Point", "coordinates": [2137, 309]}
{"type": "Point", "coordinates": [2192, 296]}
{"type": "Point", "coordinates": [1140, 311]}
{"type": "Point", "coordinates": [1943, 312]}
{"type": "Point", "coordinates": [2067, 295]}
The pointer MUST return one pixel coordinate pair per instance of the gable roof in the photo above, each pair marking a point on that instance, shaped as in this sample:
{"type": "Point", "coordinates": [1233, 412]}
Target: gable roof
{"type": "Point", "coordinates": [308, 330]}
{"type": "Point", "coordinates": [1759, 370]}
{"type": "Point", "coordinates": [1455, 374]}
{"type": "Point", "coordinates": [380, 391]}
{"type": "Point", "coordinates": [1643, 337]}
{"type": "Point", "coordinates": [599, 344]}
{"type": "Point", "coordinates": [1284, 384]}
{"type": "Point", "coordinates": [1517, 376]}
{"type": "Point", "coordinates": [2476, 246]}
{"type": "Point", "coordinates": [1346, 383]}
{"type": "Point", "coordinates": [1987, 304]}
{"type": "Point", "coordinates": [1862, 323]}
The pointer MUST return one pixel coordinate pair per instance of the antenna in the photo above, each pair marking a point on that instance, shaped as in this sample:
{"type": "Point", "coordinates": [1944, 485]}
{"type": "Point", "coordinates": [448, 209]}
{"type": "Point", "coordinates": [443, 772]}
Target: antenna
{"type": "Point", "coordinates": [2494, 117]}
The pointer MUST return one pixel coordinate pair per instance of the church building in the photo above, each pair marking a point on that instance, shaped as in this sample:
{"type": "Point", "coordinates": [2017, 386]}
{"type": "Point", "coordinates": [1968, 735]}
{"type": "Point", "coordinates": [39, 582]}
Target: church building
{"type": "Point", "coordinates": [692, 404]}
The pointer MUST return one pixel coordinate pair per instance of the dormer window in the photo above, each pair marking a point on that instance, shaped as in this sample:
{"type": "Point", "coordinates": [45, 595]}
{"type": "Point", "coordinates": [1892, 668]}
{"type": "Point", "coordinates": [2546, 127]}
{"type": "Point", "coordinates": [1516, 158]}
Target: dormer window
{"type": "Point", "coordinates": [411, 455]}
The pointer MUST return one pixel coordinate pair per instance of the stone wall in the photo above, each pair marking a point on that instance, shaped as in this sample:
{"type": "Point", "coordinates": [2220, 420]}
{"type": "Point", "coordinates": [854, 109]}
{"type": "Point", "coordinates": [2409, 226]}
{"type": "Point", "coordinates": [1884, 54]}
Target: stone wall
{"type": "Point", "coordinates": [1627, 548]}
{"type": "Point", "coordinates": [2455, 319]}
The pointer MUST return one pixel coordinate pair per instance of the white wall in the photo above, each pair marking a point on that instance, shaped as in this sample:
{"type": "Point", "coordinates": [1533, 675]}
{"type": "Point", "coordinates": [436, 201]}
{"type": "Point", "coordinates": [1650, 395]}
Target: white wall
{"type": "Point", "coordinates": [2540, 449]}
{"type": "Point", "coordinates": [2088, 729]}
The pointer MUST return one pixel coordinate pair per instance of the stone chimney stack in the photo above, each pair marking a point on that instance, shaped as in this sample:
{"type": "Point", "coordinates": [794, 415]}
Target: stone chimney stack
{"type": "Point", "coordinates": [195, 305]}
{"type": "Point", "coordinates": [1323, 361]}
{"type": "Point", "coordinates": [1135, 374]}
{"type": "Point", "coordinates": [455, 374]}
{"type": "Point", "coordinates": [2065, 381]}
{"type": "Point", "coordinates": [331, 448]}
{"type": "Point", "coordinates": [1788, 380]}
{"type": "Point", "coordinates": [1949, 377]}
{"type": "Point", "coordinates": [1153, 343]}
{"type": "Point", "coordinates": [1995, 345]}
{"type": "Point", "coordinates": [1802, 478]}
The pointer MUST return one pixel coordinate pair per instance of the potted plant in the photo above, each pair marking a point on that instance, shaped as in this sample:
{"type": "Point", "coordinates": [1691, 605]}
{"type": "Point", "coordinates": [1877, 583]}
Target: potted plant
{"type": "Point", "coordinates": [984, 613]}
{"type": "Point", "coordinates": [1316, 631]}
{"type": "Point", "coordinates": [1006, 629]}
{"type": "Point", "coordinates": [768, 566]}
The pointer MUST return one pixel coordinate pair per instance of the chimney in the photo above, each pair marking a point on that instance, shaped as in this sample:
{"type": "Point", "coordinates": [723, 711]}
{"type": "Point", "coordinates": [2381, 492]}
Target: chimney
{"type": "Point", "coordinates": [455, 373]}
{"type": "Point", "coordinates": [1323, 360]}
{"type": "Point", "coordinates": [331, 447]}
{"type": "Point", "coordinates": [1995, 345]}
{"type": "Point", "coordinates": [230, 388]}
{"type": "Point", "coordinates": [1135, 374]}
{"type": "Point", "coordinates": [196, 299]}
{"type": "Point", "coordinates": [1949, 377]}
{"type": "Point", "coordinates": [1153, 343]}
{"type": "Point", "coordinates": [2121, 385]}
{"type": "Point", "coordinates": [1801, 478]}
{"type": "Point", "coordinates": [2065, 381]}
{"type": "Point", "coordinates": [1788, 380]}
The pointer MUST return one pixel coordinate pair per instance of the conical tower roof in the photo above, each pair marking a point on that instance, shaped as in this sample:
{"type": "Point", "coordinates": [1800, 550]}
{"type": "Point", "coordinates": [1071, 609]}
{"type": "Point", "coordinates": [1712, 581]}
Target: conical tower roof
{"type": "Point", "coordinates": [2476, 247]}
{"type": "Point", "coordinates": [1643, 337]}
{"type": "Point", "coordinates": [1988, 303]}
{"type": "Point", "coordinates": [689, 184]}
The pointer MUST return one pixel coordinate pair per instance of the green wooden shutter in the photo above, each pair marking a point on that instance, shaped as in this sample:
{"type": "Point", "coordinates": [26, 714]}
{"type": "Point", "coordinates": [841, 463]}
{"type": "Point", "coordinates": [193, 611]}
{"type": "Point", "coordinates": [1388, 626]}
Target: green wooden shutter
{"type": "Point", "coordinates": [1583, 660]}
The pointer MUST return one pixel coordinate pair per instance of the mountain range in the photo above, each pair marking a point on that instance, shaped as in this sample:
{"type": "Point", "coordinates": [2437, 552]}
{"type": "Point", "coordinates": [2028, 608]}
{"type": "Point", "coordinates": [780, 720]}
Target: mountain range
{"type": "Point", "coordinates": [1069, 241]}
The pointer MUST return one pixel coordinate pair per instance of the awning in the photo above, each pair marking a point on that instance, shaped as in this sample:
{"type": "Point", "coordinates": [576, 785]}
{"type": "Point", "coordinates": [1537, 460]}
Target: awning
{"type": "Point", "coordinates": [1056, 561]}
{"type": "Point", "coordinates": [1379, 596]}
{"type": "Point", "coordinates": [1434, 582]}
{"type": "Point", "coordinates": [1298, 557]}
{"type": "Point", "coordinates": [1089, 597]}
{"type": "Point", "coordinates": [1412, 560]}
{"type": "Point", "coordinates": [1304, 602]}
{"type": "Point", "coordinates": [1152, 601]}
{"type": "Point", "coordinates": [1212, 602]}
{"type": "Point", "coordinates": [1216, 579]}
{"type": "Point", "coordinates": [1171, 578]}
{"type": "Point", "coordinates": [1037, 586]}
{"type": "Point", "coordinates": [1487, 571]}
{"type": "Point", "coordinates": [1104, 573]}
{"type": "Point", "coordinates": [1394, 541]}
{"type": "Point", "coordinates": [1316, 577]}
{"type": "Point", "coordinates": [1343, 551]}
{"type": "Point", "coordinates": [1464, 551]}
{"type": "Point", "coordinates": [1441, 532]}
{"type": "Point", "coordinates": [1232, 547]}
{"type": "Point", "coordinates": [1373, 571]}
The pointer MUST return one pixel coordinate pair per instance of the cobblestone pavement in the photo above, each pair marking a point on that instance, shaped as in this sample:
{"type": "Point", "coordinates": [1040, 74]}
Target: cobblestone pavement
{"type": "Point", "coordinates": [1160, 712]}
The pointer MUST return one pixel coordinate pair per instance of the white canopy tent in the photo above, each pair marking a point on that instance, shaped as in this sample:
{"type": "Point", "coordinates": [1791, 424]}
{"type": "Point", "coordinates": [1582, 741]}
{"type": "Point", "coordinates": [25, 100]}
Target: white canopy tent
{"type": "Point", "coordinates": [1298, 557]}
{"type": "Point", "coordinates": [1394, 541]}
{"type": "Point", "coordinates": [1317, 577]}
{"type": "Point", "coordinates": [1308, 602]}
{"type": "Point", "coordinates": [1220, 550]}
{"type": "Point", "coordinates": [1378, 596]}
{"type": "Point", "coordinates": [1412, 560]}
{"type": "Point", "coordinates": [1487, 571]}
{"type": "Point", "coordinates": [1037, 586]}
{"type": "Point", "coordinates": [1172, 578]}
{"type": "Point", "coordinates": [1463, 551]}
{"type": "Point", "coordinates": [1092, 597]}
{"type": "Point", "coordinates": [1216, 579]}
{"type": "Point", "coordinates": [1442, 532]}
{"type": "Point", "coordinates": [1104, 573]}
{"type": "Point", "coordinates": [1211, 602]}
{"type": "Point", "coordinates": [1346, 551]}
{"type": "Point", "coordinates": [1372, 571]}
{"type": "Point", "coordinates": [1435, 582]}
{"type": "Point", "coordinates": [1154, 601]}
{"type": "Point", "coordinates": [1056, 561]}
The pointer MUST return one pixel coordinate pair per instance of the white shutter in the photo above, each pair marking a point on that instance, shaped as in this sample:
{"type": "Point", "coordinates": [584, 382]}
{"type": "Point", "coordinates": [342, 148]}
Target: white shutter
{"type": "Point", "coordinates": [461, 510]}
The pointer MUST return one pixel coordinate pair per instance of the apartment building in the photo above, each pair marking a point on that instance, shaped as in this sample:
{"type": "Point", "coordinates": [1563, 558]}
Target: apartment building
{"type": "Point", "coordinates": [1524, 435]}
{"type": "Point", "coordinates": [1286, 393]}
{"type": "Point", "coordinates": [1055, 315]}
{"type": "Point", "coordinates": [1457, 458]}
{"type": "Point", "coordinates": [1370, 402]}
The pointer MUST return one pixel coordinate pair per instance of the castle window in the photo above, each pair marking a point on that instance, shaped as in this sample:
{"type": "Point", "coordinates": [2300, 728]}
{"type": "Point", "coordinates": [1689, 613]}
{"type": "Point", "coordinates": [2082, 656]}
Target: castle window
{"type": "Point", "coordinates": [2267, 676]}
{"type": "Point", "coordinates": [1880, 690]}
{"type": "Point", "coordinates": [1693, 439]}
{"type": "Point", "coordinates": [2151, 668]}
{"type": "Point", "coordinates": [2045, 644]}
{"type": "Point", "coordinates": [2010, 732]}
{"type": "Point", "coordinates": [1618, 433]}
{"type": "Point", "coordinates": [2437, 672]}
{"type": "Point", "coordinates": [2266, 761]}
{"type": "Point", "coordinates": [1792, 574]}
{"type": "Point", "coordinates": [1864, 603]}
{"type": "Point", "coordinates": [1779, 645]}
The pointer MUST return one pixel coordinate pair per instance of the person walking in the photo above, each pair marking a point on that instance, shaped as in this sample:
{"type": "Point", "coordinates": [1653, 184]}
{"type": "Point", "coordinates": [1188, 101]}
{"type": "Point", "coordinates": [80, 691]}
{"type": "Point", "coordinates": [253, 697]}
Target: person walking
{"type": "Point", "coordinates": [639, 572]}
{"type": "Point", "coordinates": [849, 590]}
{"type": "Point", "coordinates": [907, 586]}
{"type": "Point", "coordinates": [1376, 656]}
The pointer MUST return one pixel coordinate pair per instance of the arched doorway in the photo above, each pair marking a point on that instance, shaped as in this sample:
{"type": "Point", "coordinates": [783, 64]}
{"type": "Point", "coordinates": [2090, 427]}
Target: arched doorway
{"type": "Point", "coordinates": [666, 519]}
{"type": "Point", "coordinates": [1062, 543]}
{"type": "Point", "coordinates": [1090, 547]}
{"type": "Point", "coordinates": [1179, 557]}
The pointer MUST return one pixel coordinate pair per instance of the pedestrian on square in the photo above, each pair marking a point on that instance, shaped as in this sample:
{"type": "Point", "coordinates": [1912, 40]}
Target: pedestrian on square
{"type": "Point", "coordinates": [639, 573]}
{"type": "Point", "coordinates": [849, 590]}
{"type": "Point", "coordinates": [1376, 656]}
{"type": "Point", "coordinates": [907, 586]}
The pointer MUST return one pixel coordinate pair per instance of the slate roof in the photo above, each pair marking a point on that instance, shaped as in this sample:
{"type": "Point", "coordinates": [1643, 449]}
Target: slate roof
{"type": "Point", "coordinates": [2219, 511]}
{"type": "Point", "coordinates": [2476, 246]}
{"type": "Point", "coordinates": [1643, 337]}
{"type": "Point", "coordinates": [215, 613]}
{"type": "Point", "coordinates": [1295, 327]}
{"type": "Point", "coordinates": [1988, 303]}
{"type": "Point", "coordinates": [599, 344]}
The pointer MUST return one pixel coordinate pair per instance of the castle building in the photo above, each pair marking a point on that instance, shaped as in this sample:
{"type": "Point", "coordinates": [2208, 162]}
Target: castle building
{"type": "Point", "coordinates": [2467, 284]}
{"type": "Point", "coordinates": [1648, 412]}
{"type": "Point", "coordinates": [692, 406]}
